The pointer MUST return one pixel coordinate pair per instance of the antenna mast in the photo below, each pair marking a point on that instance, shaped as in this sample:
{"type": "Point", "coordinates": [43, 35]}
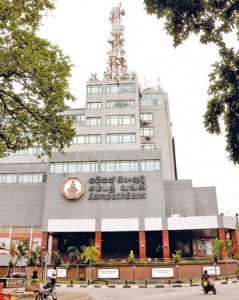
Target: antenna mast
{"type": "Point", "coordinates": [116, 64]}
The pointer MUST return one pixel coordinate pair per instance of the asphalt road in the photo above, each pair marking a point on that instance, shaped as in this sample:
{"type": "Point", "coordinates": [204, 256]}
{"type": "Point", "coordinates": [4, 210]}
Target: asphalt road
{"type": "Point", "coordinates": [224, 292]}
{"type": "Point", "coordinates": [228, 291]}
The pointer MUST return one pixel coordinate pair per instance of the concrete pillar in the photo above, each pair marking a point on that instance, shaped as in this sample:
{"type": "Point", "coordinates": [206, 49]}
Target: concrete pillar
{"type": "Point", "coordinates": [233, 234]}
{"type": "Point", "coordinates": [166, 248]}
{"type": "Point", "coordinates": [142, 244]}
{"type": "Point", "coordinates": [222, 236]}
{"type": "Point", "coordinates": [98, 235]}
{"type": "Point", "coordinates": [44, 243]}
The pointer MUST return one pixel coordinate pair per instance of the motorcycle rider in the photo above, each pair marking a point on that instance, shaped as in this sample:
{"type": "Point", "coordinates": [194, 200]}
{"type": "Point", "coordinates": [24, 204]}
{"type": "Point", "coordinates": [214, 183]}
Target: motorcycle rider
{"type": "Point", "coordinates": [204, 278]}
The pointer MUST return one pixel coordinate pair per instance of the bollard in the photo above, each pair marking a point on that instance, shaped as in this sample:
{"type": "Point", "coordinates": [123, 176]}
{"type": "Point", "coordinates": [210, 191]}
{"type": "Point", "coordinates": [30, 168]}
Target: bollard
{"type": "Point", "coordinates": [146, 283]}
{"type": "Point", "coordinates": [126, 283]}
{"type": "Point", "coordinates": [191, 282]}
{"type": "Point", "coordinates": [169, 282]}
{"type": "Point", "coordinates": [226, 279]}
{"type": "Point", "coordinates": [106, 283]}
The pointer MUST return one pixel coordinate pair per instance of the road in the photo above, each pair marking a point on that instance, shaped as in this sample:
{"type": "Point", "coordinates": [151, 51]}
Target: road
{"type": "Point", "coordinates": [228, 291]}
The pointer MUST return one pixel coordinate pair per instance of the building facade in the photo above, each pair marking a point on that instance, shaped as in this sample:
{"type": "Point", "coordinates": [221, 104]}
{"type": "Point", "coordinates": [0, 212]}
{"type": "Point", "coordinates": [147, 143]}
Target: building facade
{"type": "Point", "coordinates": [116, 187]}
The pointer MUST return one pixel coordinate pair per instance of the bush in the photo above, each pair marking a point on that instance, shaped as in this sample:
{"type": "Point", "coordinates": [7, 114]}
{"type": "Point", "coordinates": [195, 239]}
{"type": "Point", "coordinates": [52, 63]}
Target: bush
{"type": "Point", "coordinates": [236, 256]}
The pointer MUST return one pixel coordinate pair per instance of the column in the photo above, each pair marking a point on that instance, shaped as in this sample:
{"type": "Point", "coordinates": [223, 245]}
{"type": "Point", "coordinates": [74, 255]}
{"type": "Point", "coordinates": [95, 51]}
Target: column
{"type": "Point", "coordinates": [142, 245]}
{"type": "Point", "coordinates": [222, 236]}
{"type": "Point", "coordinates": [44, 243]}
{"type": "Point", "coordinates": [98, 235]}
{"type": "Point", "coordinates": [233, 234]}
{"type": "Point", "coordinates": [166, 248]}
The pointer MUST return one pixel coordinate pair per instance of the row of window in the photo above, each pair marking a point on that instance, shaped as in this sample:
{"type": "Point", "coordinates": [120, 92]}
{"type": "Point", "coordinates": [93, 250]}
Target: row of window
{"type": "Point", "coordinates": [111, 88]}
{"type": "Point", "coordinates": [115, 104]}
{"type": "Point", "coordinates": [83, 167]}
{"type": "Point", "coordinates": [105, 166]}
{"type": "Point", "coordinates": [23, 178]}
{"type": "Point", "coordinates": [110, 138]}
{"type": "Point", "coordinates": [111, 120]}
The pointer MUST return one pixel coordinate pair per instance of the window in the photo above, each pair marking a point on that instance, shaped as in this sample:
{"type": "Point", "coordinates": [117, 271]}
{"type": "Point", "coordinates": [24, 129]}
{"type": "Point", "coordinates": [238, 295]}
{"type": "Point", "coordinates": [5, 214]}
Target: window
{"type": "Point", "coordinates": [93, 121]}
{"type": "Point", "coordinates": [32, 178]}
{"type": "Point", "coordinates": [115, 138]}
{"type": "Point", "coordinates": [8, 178]}
{"type": "Point", "coordinates": [119, 166]}
{"type": "Point", "coordinates": [87, 139]}
{"type": "Point", "coordinates": [94, 105]}
{"type": "Point", "coordinates": [120, 104]}
{"type": "Point", "coordinates": [146, 116]}
{"type": "Point", "coordinates": [23, 178]}
{"type": "Point", "coordinates": [75, 167]}
{"type": "Point", "coordinates": [148, 146]}
{"type": "Point", "coordinates": [120, 120]}
{"type": "Point", "coordinates": [151, 99]}
{"type": "Point", "coordinates": [148, 131]}
{"type": "Point", "coordinates": [120, 88]}
{"type": "Point", "coordinates": [28, 151]}
{"type": "Point", "coordinates": [150, 165]}
{"type": "Point", "coordinates": [95, 89]}
{"type": "Point", "coordinates": [78, 118]}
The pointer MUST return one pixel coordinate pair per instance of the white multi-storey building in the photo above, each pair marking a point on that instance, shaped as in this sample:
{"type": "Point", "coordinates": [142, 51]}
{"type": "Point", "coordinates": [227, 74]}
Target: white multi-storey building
{"type": "Point", "coordinates": [117, 184]}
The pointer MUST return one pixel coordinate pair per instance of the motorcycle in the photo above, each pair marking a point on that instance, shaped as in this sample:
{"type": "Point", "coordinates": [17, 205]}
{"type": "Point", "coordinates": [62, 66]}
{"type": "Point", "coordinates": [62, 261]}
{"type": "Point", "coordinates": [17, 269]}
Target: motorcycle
{"type": "Point", "coordinates": [48, 292]}
{"type": "Point", "coordinates": [209, 286]}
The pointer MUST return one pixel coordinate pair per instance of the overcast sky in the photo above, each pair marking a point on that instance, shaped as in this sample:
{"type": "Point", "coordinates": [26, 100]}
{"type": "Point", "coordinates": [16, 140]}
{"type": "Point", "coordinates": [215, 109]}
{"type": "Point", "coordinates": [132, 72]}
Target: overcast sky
{"type": "Point", "coordinates": [81, 28]}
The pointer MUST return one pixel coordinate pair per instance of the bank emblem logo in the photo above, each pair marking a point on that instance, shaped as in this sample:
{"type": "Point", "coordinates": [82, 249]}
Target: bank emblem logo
{"type": "Point", "coordinates": [73, 188]}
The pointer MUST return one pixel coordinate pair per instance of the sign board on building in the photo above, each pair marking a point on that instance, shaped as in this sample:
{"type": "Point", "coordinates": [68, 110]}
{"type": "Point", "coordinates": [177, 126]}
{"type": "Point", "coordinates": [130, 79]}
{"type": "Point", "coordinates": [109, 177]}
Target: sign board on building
{"type": "Point", "coordinates": [73, 188]}
{"type": "Point", "coordinates": [162, 272]}
{"type": "Point", "coordinates": [213, 270]}
{"type": "Point", "coordinates": [60, 272]}
{"type": "Point", "coordinates": [108, 273]}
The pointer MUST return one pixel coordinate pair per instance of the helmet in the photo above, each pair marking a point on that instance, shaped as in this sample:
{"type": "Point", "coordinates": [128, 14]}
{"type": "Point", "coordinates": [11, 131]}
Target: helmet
{"type": "Point", "coordinates": [205, 272]}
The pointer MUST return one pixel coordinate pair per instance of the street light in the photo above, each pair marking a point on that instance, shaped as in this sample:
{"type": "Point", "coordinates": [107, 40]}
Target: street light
{"type": "Point", "coordinates": [176, 273]}
{"type": "Point", "coordinates": [133, 272]}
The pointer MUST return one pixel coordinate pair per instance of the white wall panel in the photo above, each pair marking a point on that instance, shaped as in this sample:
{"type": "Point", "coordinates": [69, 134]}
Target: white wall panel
{"type": "Point", "coordinates": [153, 224]}
{"type": "Point", "coordinates": [229, 222]}
{"type": "Point", "coordinates": [71, 225]}
{"type": "Point", "coordinates": [200, 222]}
{"type": "Point", "coordinates": [127, 224]}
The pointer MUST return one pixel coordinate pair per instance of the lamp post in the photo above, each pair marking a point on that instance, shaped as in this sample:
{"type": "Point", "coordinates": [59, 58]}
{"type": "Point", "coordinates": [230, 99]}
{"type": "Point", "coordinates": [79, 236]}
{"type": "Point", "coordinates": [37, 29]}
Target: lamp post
{"type": "Point", "coordinates": [90, 271]}
{"type": "Point", "coordinates": [133, 272]}
{"type": "Point", "coordinates": [215, 266]}
{"type": "Point", "coordinates": [176, 273]}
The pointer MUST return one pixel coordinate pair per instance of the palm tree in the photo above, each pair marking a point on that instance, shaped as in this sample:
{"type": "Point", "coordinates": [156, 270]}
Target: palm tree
{"type": "Point", "coordinates": [74, 256]}
{"type": "Point", "coordinates": [90, 253]}
{"type": "Point", "coordinates": [21, 250]}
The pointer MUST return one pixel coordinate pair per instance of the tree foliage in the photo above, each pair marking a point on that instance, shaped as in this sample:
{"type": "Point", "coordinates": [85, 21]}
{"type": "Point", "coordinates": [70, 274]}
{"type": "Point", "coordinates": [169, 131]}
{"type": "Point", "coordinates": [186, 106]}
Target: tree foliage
{"type": "Point", "coordinates": [33, 81]}
{"type": "Point", "coordinates": [211, 20]}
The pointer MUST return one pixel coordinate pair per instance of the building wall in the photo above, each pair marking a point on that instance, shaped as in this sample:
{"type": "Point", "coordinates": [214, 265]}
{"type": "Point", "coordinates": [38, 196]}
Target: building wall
{"type": "Point", "coordinates": [58, 207]}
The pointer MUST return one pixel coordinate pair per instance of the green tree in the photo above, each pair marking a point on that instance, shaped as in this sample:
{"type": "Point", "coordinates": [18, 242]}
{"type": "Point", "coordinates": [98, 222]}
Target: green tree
{"type": "Point", "coordinates": [74, 256]}
{"type": "Point", "coordinates": [33, 82]}
{"type": "Point", "coordinates": [211, 20]}
{"type": "Point", "coordinates": [221, 246]}
{"type": "Point", "coordinates": [57, 258]}
{"type": "Point", "coordinates": [131, 257]}
{"type": "Point", "coordinates": [217, 249]}
{"type": "Point", "coordinates": [177, 256]}
{"type": "Point", "coordinates": [21, 249]}
{"type": "Point", "coordinates": [90, 254]}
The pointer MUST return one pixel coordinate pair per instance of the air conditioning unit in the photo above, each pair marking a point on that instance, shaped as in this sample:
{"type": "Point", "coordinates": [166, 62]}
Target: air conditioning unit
{"type": "Point", "coordinates": [145, 123]}
{"type": "Point", "coordinates": [148, 138]}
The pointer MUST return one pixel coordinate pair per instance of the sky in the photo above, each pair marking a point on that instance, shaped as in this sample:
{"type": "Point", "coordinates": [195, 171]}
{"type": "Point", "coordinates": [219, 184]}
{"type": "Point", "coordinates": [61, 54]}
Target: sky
{"type": "Point", "coordinates": [81, 28]}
